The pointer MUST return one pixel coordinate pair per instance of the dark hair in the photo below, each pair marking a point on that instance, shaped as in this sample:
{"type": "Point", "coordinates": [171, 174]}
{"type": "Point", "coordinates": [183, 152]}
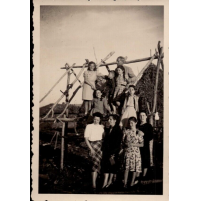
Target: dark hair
{"type": "Point", "coordinates": [89, 64]}
{"type": "Point", "coordinates": [122, 68]}
{"type": "Point", "coordinates": [120, 57]}
{"type": "Point", "coordinates": [132, 119]}
{"type": "Point", "coordinates": [115, 117]}
{"type": "Point", "coordinates": [95, 94]}
{"type": "Point", "coordinates": [143, 111]}
{"type": "Point", "coordinates": [97, 114]}
{"type": "Point", "coordinates": [132, 86]}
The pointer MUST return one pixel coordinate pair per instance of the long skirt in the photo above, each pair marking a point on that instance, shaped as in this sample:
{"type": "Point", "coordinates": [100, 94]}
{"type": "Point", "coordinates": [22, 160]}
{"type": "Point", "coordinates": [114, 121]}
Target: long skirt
{"type": "Point", "coordinates": [96, 158]}
{"type": "Point", "coordinates": [129, 112]}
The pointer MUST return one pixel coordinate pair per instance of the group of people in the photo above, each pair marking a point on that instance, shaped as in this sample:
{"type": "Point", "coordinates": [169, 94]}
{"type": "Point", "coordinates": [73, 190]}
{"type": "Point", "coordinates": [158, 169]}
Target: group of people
{"type": "Point", "coordinates": [123, 136]}
{"type": "Point", "coordinates": [120, 98]}
{"type": "Point", "coordinates": [107, 144]}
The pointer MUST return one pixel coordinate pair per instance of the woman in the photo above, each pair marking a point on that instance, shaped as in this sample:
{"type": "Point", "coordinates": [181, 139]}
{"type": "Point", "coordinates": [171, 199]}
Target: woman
{"type": "Point", "coordinates": [130, 107]}
{"type": "Point", "coordinates": [93, 137]}
{"type": "Point", "coordinates": [100, 104]}
{"type": "Point", "coordinates": [132, 140]}
{"type": "Point", "coordinates": [120, 86]}
{"type": "Point", "coordinates": [147, 150]}
{"type": "Point", "coordinates": [111, 148]}
{"type": "Point", "coordinates": [90, 76]}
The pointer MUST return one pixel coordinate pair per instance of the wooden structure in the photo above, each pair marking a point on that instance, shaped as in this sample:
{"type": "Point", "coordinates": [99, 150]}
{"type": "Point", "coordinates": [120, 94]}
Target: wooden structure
{"type": "Point", "coordinates": [64, 117]}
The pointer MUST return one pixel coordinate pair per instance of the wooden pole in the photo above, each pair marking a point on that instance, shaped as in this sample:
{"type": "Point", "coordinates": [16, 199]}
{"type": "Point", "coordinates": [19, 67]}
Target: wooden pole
{"type": "Point", "coordinates": [156, 88]}
{"type": "Point", "coordinates": [62, 147]}
{"type": "Point", "coordinates": [126, 62]}
{"type": "Point", "coordinates": [56, 83]}
{"type": "Point", "coordinates": [159, 47]}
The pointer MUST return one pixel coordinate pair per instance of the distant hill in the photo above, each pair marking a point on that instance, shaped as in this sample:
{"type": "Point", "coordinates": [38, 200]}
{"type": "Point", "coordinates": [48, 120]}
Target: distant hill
{"type": "Point", "coordinates": [73, 109]}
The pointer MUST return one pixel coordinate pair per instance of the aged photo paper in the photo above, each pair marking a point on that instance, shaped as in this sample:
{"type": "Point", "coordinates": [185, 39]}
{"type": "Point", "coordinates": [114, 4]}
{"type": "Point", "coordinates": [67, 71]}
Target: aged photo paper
{"type": "Point", "coordinates": [100, 114]}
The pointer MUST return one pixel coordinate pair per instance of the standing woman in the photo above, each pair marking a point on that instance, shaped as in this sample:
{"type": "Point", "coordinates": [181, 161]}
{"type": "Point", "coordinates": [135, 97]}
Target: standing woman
{"type": "Point", "coordinates": [120, 85]}
{"type": "Point", "coordinates": [147, 150]}
{"type": "Point", "coordinates": [90, 76]}
{"type": "Point", "coordinates": [130, 107]}
{"type": "Point", "coordinates": [93, 137]}
{"type": "Point", "coordinates": [111, 148]}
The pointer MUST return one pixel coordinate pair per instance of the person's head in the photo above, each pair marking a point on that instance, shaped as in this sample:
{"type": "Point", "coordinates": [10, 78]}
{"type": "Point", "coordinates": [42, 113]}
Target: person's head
{"type": "Point", "coordinates": [120, 70]}
{"type": "Point", "coordinates": [120, 60]}
{"type": "Point", "coordinates": [98, 93]}
{"type": "Point", "coordinates": [132, 122]}
{"type": "Point", "coordinates": [97, 118]}
{"type": "Point", "coordinates": [143, 117]}
{"type": "Point", "coordinates": [131, 89]}
{"type": "Point", "coordinates": [111, 74]}
{"type": "Point", "coordinates": [113, 118]}
{"type": "Point", "coordinates": [91, 66]}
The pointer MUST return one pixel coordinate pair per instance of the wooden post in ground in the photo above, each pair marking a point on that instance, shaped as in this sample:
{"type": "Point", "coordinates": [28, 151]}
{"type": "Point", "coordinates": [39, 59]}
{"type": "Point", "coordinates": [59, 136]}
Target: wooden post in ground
{"type": "Point", "coordinates": [62, 146]}
{"type": "Point", "coordinates": [156, 88]}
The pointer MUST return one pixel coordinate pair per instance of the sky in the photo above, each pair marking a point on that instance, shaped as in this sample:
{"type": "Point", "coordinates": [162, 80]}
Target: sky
{"type": "Point", "coordinates": [69, 34]}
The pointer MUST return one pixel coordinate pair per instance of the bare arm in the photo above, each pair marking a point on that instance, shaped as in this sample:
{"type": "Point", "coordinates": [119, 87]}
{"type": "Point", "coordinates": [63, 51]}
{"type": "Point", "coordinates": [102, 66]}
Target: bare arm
{"type": "Point", "coordinates": [138, 144]}
{"type": "Point", "coordinates": [89, 146]}
{"type": "Point", "coordinates": [151, 151]}
{"type": "Point", "coordinates": [88, 82]}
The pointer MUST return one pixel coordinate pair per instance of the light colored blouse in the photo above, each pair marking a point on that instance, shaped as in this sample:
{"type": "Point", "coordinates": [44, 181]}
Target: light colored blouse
{"type": "Point", "coordinates": [94, 132]}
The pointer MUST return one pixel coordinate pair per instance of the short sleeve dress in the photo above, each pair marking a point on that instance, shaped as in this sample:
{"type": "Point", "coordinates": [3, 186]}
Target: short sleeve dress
{"type": "Point", "coordinates": [132, 156]}
{"type": "Point", "coordinates": [87, 92]}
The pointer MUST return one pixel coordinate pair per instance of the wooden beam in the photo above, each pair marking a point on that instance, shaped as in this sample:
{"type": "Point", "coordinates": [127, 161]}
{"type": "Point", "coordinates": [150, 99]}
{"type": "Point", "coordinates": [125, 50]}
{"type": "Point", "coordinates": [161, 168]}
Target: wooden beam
{"type": "Point", "coordinates": [127, 62]}
{"type": "Point", "coordinates": [57, 83]}
{"type": "Point", "coordinates": [62, 147]}
{"type": "Point", "coordinates": [64, 119]}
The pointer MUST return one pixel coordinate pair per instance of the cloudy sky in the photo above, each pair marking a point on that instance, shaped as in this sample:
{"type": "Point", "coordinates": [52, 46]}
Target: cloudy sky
{"type": "Point", "coordinates": [69, 33]}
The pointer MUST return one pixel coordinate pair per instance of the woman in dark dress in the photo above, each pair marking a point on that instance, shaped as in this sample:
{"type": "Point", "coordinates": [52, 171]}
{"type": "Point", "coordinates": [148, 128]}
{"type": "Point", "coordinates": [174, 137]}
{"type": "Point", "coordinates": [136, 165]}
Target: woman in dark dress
{"type": "Point", "coordinates": [147, 149]}
{"type": "Point", "coordinates": [110, 150]}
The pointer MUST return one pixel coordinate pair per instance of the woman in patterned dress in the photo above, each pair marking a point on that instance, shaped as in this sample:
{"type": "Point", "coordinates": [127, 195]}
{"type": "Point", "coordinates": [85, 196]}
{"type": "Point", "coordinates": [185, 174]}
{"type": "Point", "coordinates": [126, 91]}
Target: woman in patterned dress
{"type": "Point", "coordinates": [93, 137]}
{"type": "Point", "coordinates": [132, 140]}
{"type": "Point", "coordinates": [90, 76]}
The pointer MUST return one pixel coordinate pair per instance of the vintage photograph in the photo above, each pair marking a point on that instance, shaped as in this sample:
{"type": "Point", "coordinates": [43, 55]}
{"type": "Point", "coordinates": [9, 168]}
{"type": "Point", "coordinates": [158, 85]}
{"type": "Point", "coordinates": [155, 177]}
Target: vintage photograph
{"type": "Point", "coordinates": [101, 99]}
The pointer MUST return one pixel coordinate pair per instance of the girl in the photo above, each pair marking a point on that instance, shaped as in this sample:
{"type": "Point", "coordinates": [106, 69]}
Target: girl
{"type": "Point", "coordinates": [120, 85]}
{"type": "Point", "coordinates": [100, 104]}
{"type": "Point", "coordinates": [132, 141]}
{"type": "Point", "coordinates": [90, 76]}
{"type": "Point", "coordinates": [93, 138]}
{"type": "Point", "coordinates": [130, 106]}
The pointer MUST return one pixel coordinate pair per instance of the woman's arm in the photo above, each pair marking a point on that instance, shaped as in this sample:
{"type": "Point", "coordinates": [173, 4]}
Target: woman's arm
{"type": "Point", "coordinates": [106, 105]}
{"type": "Point", "coordinates": [151, 151]}
{"type": "Point", "coordinates": [138, 144]}
{"type": "Point", "coordinates": [89, 83]}
{"type": "Point", "coordinates": [89, 146]}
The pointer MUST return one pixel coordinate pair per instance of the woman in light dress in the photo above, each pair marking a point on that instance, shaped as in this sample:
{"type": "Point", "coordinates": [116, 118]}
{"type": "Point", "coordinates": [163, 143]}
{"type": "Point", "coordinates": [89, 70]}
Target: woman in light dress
{"type": "Point", "coordinates": [130, 107]}
{"type": "Point", "coordinates": [90, 76]}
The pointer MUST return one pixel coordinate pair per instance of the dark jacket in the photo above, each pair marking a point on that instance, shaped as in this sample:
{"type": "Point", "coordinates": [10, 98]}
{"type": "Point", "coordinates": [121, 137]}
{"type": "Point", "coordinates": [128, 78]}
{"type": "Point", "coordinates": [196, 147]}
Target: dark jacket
{"type": "Point", "coordinates": [112, 141]}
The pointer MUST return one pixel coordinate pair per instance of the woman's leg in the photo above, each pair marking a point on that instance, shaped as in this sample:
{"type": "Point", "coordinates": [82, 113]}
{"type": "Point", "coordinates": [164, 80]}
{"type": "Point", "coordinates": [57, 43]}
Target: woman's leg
{"type": "Point", "coordinates": [144, 172]}
{"type": "Point", "coordinates": [89, 105]}
{"type": "Point", "coordinates": [94, 177]}
{"type": "Point", "coordinates": [133, 178]}
{"type": "Point", "coordinates": [86, 106]}
{"type": "Point", "coordinates": [105, 180]}
{"type": "Point", "coordinates": [126, 173]}
{"type": "Point", "coordinates": [110, 179]}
